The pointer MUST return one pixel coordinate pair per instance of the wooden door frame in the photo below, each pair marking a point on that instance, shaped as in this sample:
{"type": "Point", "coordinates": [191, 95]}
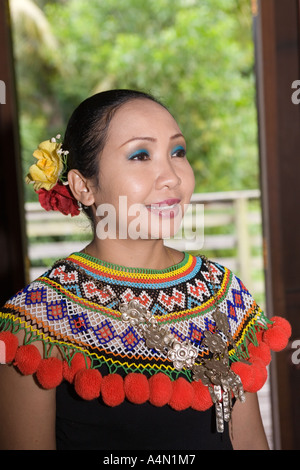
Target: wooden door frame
{"type": "Point", "coordinates": [13, 246]}
{"type": "Point", "coordinates": [277, 67]}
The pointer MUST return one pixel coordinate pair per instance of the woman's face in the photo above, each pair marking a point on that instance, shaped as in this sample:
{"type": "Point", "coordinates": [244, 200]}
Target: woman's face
{"type": "Point", "coordinates": [145, 179]}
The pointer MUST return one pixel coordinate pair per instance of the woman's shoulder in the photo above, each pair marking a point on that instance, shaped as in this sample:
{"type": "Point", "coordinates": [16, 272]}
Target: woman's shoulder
{"type": "Point", "coordinates": [32, 293]}
{"type": "Point", "coordinates": [26, 337]}
{"type": "Point", "coordinates": [217, 273]}
{"type": "Point", "coordinates": [34, 290]}
{"type": "Point", "coordinates": [23, 317]}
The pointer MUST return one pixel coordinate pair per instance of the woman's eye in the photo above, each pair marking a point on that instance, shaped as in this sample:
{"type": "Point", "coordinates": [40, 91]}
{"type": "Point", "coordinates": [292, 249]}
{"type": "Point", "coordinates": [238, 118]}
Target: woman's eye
{"type": "Point", "coordinates": [179, 152]}
{"type": "Point", "coordinates": [139, 155]}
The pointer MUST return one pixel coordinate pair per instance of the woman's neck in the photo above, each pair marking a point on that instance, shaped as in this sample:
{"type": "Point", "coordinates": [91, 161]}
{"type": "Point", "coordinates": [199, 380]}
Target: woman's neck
{"type": "Point", "coordinates": [143, 254]}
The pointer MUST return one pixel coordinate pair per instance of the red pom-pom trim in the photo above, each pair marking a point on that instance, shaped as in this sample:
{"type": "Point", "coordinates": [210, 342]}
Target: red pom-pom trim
{"type": "Point", "coordinates": [136, 388]}
{"type": "Point", "coordinates": [259, 335]}
{"type": "Point", "coordinates": [11, 345]}
{"type": "Point", "coordinates": [260, 375]}
{"type": "Point", "coordinates": [27, 359]}
{"type": "Point", "coordinates": [262, 351]}
{"type": "Point", "coordinates": [112, 390]}
{"type": "Point", "coordinates": [182, 396]}
{"type": "Point", "coordinates": [253, 376]}
{"type": "Point", "coordinates": [276, 338]}
{"type": "Point", "coordinates": [282, 323]}
{"type": "Point", "coordinates": [50, 372]}
{"type": "Point", "coordinates": [78, 362]}
{"type": "Point", "coordinates": [87, 383]}
{"type": "Point", "coordinates": [246, 373]}
{"type": "Point", "coordinates": [202, 400]}
{"type": "Point", "coordinates": [161, 389]}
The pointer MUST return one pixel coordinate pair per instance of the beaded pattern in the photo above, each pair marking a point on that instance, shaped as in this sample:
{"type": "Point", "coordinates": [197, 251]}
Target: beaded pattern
{"type": "Point", "coordinates": [76, 303]}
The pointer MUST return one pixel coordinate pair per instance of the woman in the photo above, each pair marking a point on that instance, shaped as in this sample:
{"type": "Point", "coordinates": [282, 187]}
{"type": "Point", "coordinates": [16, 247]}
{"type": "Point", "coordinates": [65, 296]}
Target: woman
{"type": "Point", "coordinates": [129, 344]}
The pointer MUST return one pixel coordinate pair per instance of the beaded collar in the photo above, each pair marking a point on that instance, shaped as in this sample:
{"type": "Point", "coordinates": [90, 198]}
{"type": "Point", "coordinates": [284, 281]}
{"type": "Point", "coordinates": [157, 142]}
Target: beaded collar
{"type": "Point", "coordinates": [68, 305]}
{"type": "Point", "coordinates": [75, 306]}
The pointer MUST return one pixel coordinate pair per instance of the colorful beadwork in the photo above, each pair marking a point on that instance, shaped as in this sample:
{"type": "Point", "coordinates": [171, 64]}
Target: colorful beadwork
{"type": "Point", "coordinates": [74, 306]}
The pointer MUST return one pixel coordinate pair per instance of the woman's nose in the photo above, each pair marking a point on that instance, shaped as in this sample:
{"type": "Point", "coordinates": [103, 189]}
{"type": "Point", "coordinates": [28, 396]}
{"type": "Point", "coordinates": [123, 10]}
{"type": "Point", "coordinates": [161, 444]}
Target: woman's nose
{"type": "Point", "coordinates": [167, 175]}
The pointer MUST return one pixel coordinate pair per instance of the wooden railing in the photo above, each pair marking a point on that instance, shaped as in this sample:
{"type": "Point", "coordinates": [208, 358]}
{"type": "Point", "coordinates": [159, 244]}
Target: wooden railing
{"type": "Point", "coordinates": [231, 234]}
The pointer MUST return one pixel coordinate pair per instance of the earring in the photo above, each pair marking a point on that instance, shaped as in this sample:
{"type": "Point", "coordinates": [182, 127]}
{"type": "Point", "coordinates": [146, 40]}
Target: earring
{"type": "Point", "coordinates": [81, 206]}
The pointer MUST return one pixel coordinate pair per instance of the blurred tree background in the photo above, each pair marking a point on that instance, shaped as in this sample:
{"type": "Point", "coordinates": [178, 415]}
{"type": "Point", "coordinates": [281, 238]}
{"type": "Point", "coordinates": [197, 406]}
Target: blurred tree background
{"type": "Point", "coordinates": [197, 56]}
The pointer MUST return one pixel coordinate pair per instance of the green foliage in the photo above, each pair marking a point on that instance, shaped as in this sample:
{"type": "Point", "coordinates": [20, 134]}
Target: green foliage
{"type": "Point", "coordinates": [196, 56]}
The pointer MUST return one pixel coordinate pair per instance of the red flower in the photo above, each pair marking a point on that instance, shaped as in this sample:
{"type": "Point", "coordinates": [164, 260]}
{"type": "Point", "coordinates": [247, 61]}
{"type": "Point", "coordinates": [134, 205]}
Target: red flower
{"type": "Point", "coordinates": [59, 198]}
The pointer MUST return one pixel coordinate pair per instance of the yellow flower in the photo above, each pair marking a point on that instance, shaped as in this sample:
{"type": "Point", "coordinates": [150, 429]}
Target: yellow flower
{"type": "Point", "coordinates": [45, 173]}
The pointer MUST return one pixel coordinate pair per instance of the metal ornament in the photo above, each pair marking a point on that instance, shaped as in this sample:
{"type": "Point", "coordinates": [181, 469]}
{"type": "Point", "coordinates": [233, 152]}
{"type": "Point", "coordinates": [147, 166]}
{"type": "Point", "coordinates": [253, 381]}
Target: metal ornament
{"type": "Point", "coordinates": [222, 382]}
{"type": "Point", "coordinates": [183, 355]}
{"type": "Point", "coordinates": [214, 371]}
{"type": "Point", "coordinates": [134, 313]}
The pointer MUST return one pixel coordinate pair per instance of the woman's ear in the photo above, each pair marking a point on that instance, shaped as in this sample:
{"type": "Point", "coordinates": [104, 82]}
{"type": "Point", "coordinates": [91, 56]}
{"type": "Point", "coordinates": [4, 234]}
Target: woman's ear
{"type": "Point", "coordinates": [80, 188]}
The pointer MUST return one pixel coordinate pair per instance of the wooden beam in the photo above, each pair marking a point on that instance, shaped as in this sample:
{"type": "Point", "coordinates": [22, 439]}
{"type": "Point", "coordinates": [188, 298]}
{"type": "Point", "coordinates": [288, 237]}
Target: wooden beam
{"type": "Point", "coordinates": [277, 64]}
{"type": "Point", "coordinates": [12, 226]}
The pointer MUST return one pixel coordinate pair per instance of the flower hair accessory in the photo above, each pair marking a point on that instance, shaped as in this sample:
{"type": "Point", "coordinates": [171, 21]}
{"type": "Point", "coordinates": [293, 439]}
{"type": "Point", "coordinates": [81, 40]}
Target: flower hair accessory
{"type": "Point", "coordinates": [49, 179]}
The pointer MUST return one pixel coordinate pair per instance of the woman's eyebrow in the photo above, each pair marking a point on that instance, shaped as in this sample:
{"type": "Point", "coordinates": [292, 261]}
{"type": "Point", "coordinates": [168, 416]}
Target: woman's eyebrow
{"type": "Point", "coordinates": [150, 139]}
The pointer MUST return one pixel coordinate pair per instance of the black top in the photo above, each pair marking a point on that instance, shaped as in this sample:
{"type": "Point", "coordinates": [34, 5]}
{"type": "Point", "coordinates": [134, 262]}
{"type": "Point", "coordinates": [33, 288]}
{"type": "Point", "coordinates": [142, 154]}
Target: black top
{"type": "Point", "coordinates": [91, 425]}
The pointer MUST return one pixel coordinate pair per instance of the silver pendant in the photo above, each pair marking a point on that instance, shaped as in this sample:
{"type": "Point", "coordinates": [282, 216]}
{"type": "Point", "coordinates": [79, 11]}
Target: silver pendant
{"type": "Point", "coordinates": [183, 355]}
{"type": "Point", "coordinates": [214, 370]}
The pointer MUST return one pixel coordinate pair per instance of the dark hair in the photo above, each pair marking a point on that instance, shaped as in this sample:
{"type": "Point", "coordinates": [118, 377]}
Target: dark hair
{"type": "Point", "coordinates": [87, 129]}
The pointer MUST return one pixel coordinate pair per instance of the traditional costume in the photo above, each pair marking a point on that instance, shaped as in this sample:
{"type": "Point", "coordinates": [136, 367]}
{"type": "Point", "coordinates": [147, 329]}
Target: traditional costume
{"type": "Point", "coordinates": [148, 357]}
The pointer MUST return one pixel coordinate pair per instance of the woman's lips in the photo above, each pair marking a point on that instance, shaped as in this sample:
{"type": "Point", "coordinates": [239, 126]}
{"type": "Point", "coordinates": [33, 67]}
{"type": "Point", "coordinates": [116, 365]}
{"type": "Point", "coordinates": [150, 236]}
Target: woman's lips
{"type": "Point", "coordinates": [167, 208]}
